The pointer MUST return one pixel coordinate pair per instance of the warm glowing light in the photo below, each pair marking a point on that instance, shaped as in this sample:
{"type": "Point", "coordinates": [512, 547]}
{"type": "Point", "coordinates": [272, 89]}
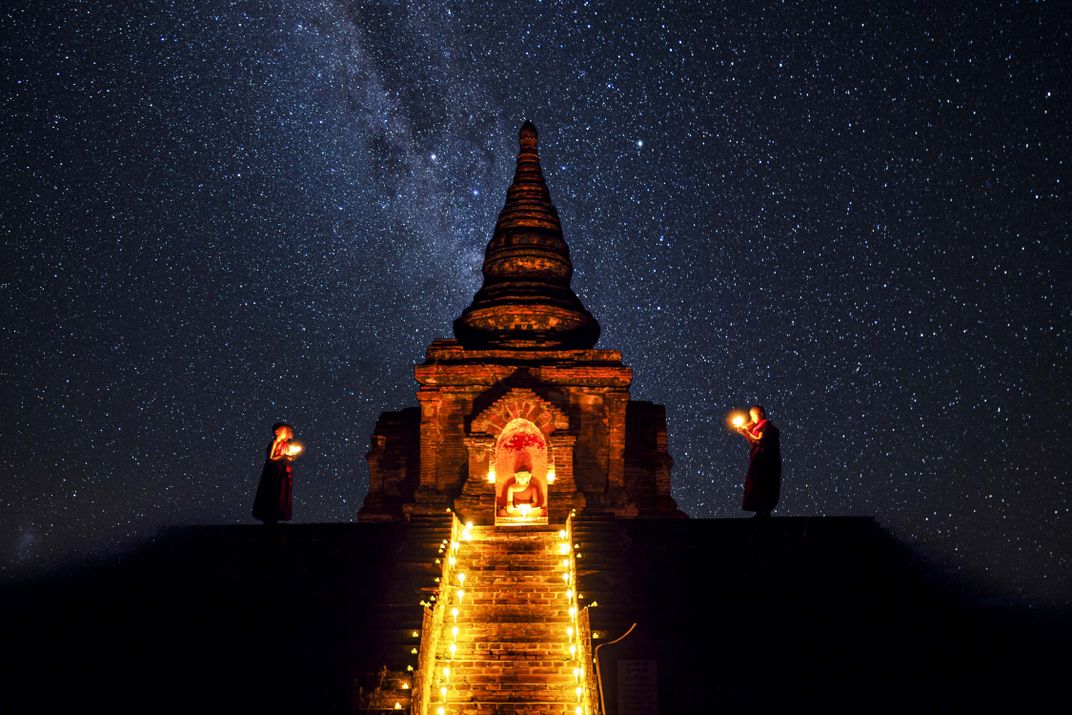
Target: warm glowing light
{"type": "Point", "coordinates": [446, 674]}
{"type": "Point", "coordinates": [577, 674]}
{"type": "Point", "coordinates": [491, 474]}
{"type": "Point", "coordinates": [453, 650]}
{"type": "Point", "coordinates": [461, 579]}
{"type": "Point", "coordinates": [443, 692]}
{"type": "Point", "coordinates": [405, 686]}
{"type": "Point", "coordinates": [454, 632]}
{"type": "Point", "coordinates": [565, 562]}
{"type": "Point", "coordinates": [441, 711]}
{"type": "Point", "coordinates": [416, 634]}
{"type": "Point", "coordinates": [736, 419]}
{"type": "Point", "coordinates": [577, 710]}
{"type": "Point", "coordinates": [524, 509]}
{"type": "Point", "coordinates": [572, 611]}
{"type": "Point", "coordinates": [579, 690]}
{"type": "Point", "coordinates": [452, 561]}
{"type": "Point", "coordinates": [550, 474]}
{"type": "Point", "coordinates": [563, 549]}
{"type": "Point", "coordinates": [468, 525]}
{"type": "Point", "coordinates": [569, 632]}
{"type": "Point", "coordinates": [454, 614]}
{"type": "Point", "coordinates": [562, 534]}
{"type": "Point", "coordinates": [569, 595]}
{"type": "Point", "coordinates": [294, 448]}
{"type": "Point", "coordinates": [413, 651]}
{"type": "Point", "coordinates": [454, 546]}
{"type": "Point", "coordinates": [398, 705]}
{"type": "Point", "coordinates": [572, 651]}
{"type": "Point", "coordinates": [461, 595]}
{"type": "Point", "coordinates": [565, 577]}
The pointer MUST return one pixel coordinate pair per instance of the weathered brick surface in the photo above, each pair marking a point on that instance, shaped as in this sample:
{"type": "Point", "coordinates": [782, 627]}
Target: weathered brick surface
{"type": "Point", "coordinates": [512, 644]}
{"type": "Point", "coordinates": [522, 360]}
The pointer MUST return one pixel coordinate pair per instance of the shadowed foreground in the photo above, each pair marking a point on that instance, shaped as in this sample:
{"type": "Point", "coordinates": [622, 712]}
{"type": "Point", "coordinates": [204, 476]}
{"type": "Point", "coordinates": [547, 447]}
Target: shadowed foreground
{"type": "Point", "coordinates": [827, 612]}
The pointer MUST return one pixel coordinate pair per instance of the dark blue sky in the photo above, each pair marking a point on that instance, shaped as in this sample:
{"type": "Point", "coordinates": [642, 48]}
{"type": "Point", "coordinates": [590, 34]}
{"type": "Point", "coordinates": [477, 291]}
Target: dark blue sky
{"type": "Point", "coordinates": [219, 216]}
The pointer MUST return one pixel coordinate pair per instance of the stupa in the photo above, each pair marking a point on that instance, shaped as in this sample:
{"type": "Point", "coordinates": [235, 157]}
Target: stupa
{"type": "Point", "coordinates": [521, 391]}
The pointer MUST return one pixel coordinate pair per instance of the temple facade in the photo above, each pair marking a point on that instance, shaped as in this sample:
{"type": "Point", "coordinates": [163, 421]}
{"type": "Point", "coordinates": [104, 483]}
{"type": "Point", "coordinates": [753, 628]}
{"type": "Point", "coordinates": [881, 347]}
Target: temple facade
{"type": "Point", "coordinates": [520, 419]}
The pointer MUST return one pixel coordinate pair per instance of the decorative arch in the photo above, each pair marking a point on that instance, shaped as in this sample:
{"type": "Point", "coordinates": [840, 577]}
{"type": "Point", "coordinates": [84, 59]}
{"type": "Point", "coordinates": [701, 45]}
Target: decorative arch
{"type": "Point", "coordinates": [520, 431]}
{"type": "Point", "coordinates": [519, 403]}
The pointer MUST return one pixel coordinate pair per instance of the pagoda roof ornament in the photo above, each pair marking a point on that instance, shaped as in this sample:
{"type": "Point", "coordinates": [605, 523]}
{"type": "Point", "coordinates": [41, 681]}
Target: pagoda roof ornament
{"type": "Point", "coordinates": [526, 301]}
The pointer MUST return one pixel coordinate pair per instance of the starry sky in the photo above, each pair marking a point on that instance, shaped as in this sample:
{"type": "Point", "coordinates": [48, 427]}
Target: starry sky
{"type": "Point", "coordinates": [217, 215]}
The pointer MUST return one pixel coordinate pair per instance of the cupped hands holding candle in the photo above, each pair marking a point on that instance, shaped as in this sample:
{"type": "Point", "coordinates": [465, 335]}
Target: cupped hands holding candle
{"type": "Point", "coordinates": [737, 420]}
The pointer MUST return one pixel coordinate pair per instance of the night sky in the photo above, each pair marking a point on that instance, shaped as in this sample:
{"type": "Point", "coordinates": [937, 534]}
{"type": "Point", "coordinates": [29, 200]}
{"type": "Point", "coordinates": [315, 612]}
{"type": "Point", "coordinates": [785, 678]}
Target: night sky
{"type": "Point", "coordinates": [220, 215]}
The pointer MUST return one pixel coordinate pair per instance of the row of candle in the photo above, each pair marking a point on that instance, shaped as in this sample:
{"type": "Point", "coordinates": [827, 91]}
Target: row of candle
{"type": "Point", "coordinates": [457, 604]}
{"type": "Point", "coordinates": [573, 635]}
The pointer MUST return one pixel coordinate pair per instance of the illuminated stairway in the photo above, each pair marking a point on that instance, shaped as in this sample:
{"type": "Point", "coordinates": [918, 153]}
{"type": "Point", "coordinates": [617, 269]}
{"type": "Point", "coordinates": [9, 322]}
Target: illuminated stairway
{"type": "Point", "coordinates": [515, 648]}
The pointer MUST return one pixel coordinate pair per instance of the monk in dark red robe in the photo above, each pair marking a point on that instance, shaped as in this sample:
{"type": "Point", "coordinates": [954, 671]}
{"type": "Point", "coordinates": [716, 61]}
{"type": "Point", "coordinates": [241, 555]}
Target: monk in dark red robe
{"type": "Point", "coordinates": [273, 500]}
{"type": "Point", "coordinates": [763, 480]}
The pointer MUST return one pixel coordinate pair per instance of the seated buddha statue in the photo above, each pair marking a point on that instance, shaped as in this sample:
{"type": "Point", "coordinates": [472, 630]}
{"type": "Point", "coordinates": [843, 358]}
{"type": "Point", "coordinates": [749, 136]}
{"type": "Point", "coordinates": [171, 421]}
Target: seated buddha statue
{"type": "Point", "coordinates": [522, 496]}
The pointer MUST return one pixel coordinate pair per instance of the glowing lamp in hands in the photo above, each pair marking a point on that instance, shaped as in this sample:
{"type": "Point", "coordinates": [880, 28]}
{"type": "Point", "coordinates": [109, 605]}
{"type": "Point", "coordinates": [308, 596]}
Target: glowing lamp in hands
{"type": "Point", "coordinates": [295, 448]}
{"type": "Point", "coordinates": [736, 420]}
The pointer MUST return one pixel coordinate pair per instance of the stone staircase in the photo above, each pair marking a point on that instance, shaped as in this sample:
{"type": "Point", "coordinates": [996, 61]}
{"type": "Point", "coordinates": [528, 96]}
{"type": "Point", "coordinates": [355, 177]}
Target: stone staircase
{"type": "Point", "coordinates": [515, 628]}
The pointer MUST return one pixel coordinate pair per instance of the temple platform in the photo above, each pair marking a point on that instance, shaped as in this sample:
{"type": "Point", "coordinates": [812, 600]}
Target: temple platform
{"type": "Point", "coordinates": [327, 618]}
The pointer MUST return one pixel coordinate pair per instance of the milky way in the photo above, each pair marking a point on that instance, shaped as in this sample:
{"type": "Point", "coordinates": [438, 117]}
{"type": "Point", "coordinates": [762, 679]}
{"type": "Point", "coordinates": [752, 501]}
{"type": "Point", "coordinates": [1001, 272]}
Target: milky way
{"type": "Point", "coordinates": [218, 217]}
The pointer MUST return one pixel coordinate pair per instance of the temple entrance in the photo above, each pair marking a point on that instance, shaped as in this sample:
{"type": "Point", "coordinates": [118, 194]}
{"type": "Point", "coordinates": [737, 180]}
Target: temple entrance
{"type": "Point", "coordinates": [522, 469]}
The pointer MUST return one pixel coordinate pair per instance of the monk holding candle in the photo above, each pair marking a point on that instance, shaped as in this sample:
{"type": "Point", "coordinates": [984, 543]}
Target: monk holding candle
{"type": "Point", "coordinates": [763, 480]}
{"type": "Point", "coordinates": [273, 500]}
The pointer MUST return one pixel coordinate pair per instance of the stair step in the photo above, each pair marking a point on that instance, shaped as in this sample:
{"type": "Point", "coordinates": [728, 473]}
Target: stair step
{"type": "Point", "coordinates": [528, 660]}
{"type": "Point", "coordinates": [479, 708]}
{"type": "Point", "coordinates": [551, 632]}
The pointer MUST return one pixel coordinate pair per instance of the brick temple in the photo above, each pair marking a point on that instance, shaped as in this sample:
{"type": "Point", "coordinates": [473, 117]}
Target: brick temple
{"type": "Point", "coordinates": [522, 387]}
{"type": "Point", "coordinates": [522, 424]}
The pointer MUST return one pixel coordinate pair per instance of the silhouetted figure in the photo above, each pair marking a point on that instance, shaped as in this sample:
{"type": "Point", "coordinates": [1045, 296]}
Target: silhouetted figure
{"type": "Point", "coordinates": [272, 502]}
{"type": "Point", "coordinates": [763, 481]}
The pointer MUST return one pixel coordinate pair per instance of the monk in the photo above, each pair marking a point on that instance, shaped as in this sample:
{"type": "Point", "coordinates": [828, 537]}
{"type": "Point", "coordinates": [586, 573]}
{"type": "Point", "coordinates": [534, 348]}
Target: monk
{"type": "Point", "coordinates": [763, 480]}
{"type": "Point", "coordinates": [522, 496]}
{"type": "Point", "coordinates": [273, 500]}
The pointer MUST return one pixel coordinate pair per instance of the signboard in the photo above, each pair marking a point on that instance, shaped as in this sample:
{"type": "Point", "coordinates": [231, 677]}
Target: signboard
{"type": "Point", "coordinates": [629, 669]}
{"type": "Point", "coordinates": [638, 687]}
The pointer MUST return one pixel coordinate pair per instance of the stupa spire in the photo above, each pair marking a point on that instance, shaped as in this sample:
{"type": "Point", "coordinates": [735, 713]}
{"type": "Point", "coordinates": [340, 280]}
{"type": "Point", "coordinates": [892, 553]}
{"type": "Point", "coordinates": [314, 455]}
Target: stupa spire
{"type": "Point", "coordinates": [526, 301]}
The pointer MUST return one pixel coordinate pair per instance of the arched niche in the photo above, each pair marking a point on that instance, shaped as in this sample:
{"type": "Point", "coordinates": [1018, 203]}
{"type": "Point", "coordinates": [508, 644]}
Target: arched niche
{"type": "Point", "coordinates": [519, 429]}
{"type": "Point", "coordinates": [521, 446]}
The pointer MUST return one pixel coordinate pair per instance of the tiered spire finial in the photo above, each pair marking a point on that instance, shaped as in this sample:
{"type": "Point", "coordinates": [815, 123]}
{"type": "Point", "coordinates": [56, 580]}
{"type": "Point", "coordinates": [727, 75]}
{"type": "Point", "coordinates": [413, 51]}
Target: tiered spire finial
{"type": "Point", "coordinates": [526, 301]}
